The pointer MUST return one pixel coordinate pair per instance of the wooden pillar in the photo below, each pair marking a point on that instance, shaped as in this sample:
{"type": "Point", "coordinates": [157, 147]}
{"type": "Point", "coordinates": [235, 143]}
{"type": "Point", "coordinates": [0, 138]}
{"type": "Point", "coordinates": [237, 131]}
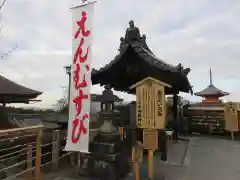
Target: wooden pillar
{"type": "Point", "coordinates": [29, 175]}
{"type": "Point", "coordinates": [137, 170]}
{"type": "Point", "coordinates": [175, 115]}
{"type": "Point", "coordinates": [56, 149]}
{"type": "Point", "coordinates": [121, 132]}
{"type": "Point", "coordinates": [232, 135]}
{"type": "Point", "coordinates": [150, 164]}
{"type": "Point", "coordinates": [175, 99]}
{"type": "Point", "coordinates": [135, 163]}
{"type": "Point", "coordinates": [38, 155]}
{"type": "Point", "coordinates": [137, 157]}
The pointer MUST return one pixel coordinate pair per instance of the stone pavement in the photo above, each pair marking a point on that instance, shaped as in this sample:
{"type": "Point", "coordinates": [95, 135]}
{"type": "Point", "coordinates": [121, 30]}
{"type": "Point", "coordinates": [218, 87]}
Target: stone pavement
{"type": "Point", "coordinates": [207, 158]}
{"type": "Point", "coordinates": [212, 159]}
{"type": "Point", "coordinates": [174, 168]}
{"type": "Point", "coordinates": [176, 156]}
{"type": "Point", "coordinates": [203, 158]}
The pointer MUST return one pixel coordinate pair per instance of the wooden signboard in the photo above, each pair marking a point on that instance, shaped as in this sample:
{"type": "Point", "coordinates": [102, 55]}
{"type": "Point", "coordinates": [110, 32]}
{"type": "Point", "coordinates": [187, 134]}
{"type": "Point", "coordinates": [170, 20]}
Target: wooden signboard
{"type": "Point", "coordinates": [238, 115]}
{"type": "Point", "coordinates": [150, 103]}
{"type": "Point", "coordinates": [150, 139]}
{"type": "Point", "coordinates": [231, 117]}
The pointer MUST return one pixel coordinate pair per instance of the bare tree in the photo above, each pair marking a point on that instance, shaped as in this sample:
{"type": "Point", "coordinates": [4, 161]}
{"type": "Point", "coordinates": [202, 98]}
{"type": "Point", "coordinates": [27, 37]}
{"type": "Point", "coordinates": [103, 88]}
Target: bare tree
{"type": "Point", "coordinates": [2, 4]}
{"type": "Point", "coordinates": [7, 52]}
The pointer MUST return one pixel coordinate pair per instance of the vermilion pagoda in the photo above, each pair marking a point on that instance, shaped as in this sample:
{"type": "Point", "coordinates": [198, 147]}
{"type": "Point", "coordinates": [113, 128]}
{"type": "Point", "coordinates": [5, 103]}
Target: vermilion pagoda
{"type": "Point", "coordinates": [211, 93]}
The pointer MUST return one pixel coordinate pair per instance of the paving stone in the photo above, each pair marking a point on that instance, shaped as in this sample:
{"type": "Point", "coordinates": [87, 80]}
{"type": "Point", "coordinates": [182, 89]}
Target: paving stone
{"type": "Point", "coordinates": [203, 158]}
{"type": "Point", "coordinates": [212, 159]}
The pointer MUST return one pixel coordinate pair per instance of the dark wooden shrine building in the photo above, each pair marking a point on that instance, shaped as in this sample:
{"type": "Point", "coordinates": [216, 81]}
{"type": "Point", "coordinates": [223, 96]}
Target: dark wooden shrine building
{"type": "Point", "coordinates": [11, 92]}
{"type": "Point", "coordinates": [208, 115]}
{"type": "Point", "coordinates": [136, 61]}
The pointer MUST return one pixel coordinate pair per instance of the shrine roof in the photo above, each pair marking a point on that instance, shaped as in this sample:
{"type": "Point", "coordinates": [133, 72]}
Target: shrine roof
{"type": "Point", "coordinates": [211, 90]}
{"type": "Point", "coordinates": [134, 53]}
{"type": "Point", "coordinates": [147, 55]}
{"type": "Point", "coordinates": [11, 92]}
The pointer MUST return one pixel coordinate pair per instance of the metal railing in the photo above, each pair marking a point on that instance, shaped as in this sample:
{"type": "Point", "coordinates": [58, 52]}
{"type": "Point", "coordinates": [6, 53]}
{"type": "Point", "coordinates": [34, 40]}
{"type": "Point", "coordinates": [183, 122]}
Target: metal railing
{"type": "Point", "coordinates": [24, 154]}
{"type": "Point", "coordinates": [13, 158]}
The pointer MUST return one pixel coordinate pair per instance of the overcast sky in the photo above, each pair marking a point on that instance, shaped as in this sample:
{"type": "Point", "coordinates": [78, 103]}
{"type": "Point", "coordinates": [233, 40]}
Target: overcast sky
{"type": "Point", "coordinates": [197, 33]}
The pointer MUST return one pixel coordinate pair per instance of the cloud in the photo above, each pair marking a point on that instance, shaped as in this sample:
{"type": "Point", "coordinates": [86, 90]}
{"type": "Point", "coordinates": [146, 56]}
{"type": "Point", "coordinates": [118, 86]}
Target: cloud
{"type": "Point", "coordinates": [199, 34]}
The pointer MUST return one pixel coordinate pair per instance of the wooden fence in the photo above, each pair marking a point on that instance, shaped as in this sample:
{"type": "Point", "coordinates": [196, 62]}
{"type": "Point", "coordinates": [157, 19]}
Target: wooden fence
{"type": "Point", "coordinates": [23, 154]}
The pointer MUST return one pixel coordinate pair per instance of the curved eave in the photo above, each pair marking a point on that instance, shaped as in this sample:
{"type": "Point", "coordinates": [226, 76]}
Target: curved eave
{"type": "Point", "coordinates": [148, 57]}
{"type": "Point", "coordinates": [30, 95]}
{"type": "Point", "coordinates": [18, 98]}
{"type": "Point", "coordinates": [185, 89]}
{"type": "Point", "coordinates": [10, 88]}
{"type": "Point", "coordinates": [211, 91]}
{"type": "Point", "coordinates": [142, 52]}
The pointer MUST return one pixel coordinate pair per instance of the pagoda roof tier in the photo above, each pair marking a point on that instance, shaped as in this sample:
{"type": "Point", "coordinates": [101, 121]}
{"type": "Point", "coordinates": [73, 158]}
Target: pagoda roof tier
{"type": "Point", "coordinates": [134, 62]}
{"type": "Point", "coordinates": [211, 91]}
{"type": "Point", "coordinates": [11, 92]}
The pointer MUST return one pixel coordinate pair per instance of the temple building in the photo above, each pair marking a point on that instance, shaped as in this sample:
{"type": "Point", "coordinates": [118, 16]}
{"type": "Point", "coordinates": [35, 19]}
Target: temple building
{"type": "Point", "coordinates": [11, 92]}
{"type": "Point", "coordinates": [208, 115]}
{"type": "Point", "coordinates": [136, 61]}
{"type": "Point", "coordinates": [211, 93]}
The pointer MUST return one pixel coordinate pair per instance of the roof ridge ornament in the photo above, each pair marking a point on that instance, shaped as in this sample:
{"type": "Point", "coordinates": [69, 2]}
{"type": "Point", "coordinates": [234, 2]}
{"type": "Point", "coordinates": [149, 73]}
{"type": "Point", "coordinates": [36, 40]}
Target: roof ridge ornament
{"type": "Point", "coordinates": [132, 35]}
{"type": "Point", "coordinates": [184, 71]}
{"type": "Point", "coordinates": [210, 76]}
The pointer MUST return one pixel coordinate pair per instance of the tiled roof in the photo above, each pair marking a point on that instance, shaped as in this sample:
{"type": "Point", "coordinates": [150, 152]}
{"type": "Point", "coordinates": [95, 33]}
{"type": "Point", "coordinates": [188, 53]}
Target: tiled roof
{"type": "Point", "coordinates": [211, 90]}
{"type": "Point", "coordinates": [148, 57]}
{"type": "Point", "coordinates": [143, 53]}
{"type": "Point", "coordinates": [10, 88]}
{"type": "Point", "coordinates": [134, 46]}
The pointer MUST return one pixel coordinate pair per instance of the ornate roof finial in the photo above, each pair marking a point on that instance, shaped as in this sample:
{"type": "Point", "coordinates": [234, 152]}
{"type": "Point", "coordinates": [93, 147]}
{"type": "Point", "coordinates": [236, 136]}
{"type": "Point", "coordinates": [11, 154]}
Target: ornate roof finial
{"type": "Point", "coordinates": [210, 76]}
{"type": "Point", "coordinates": [133, 35]}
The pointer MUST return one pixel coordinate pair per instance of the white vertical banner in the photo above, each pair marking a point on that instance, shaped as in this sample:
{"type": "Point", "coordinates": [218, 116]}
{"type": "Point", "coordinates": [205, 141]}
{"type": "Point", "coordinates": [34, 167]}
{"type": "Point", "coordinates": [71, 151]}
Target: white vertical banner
{"type": "Point", "coordinates": [80, 98]}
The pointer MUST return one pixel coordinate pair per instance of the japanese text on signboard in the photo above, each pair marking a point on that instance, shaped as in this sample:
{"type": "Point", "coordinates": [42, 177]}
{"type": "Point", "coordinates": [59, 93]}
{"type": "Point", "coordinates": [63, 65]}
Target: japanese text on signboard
{"type": "Point", "coordinates": [80, 72]}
